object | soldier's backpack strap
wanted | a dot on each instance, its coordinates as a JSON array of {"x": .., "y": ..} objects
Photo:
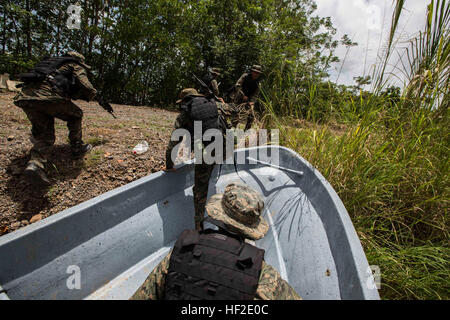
[{"x": 214, "y": 266}]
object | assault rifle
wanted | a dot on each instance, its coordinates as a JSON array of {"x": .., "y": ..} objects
[
  {"x": 205, "y": 86},
  {"x": 105, "y": 105}
]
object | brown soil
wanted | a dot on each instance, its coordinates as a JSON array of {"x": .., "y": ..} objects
[{"x": 109, "y": 165}]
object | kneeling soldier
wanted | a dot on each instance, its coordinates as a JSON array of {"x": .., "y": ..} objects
[
  {"x": 220, "y": 264},
  {"x": 210, "y": 79},
  {"x": 46, "y": 95},
  {"x": 244, "y": 94}
]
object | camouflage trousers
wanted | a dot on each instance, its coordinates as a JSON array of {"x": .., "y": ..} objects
[
  {"x": 201, "y": 182},
  {"x": 243, "y": 113},
  {"x": 42, "y": 116}
]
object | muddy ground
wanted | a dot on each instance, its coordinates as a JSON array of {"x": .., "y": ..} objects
[{"x": 109, "y": 165}]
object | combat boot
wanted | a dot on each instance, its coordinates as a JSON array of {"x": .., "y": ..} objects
[
  {"x": 36, "y": 175},
  {"x": 79, "y": 150}
]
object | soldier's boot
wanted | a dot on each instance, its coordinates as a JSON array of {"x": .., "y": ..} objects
[
  {"x": 36, "y": 175},
  {"x": 80, "y": 149}
]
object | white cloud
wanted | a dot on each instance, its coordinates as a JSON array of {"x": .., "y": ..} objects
[{"x": 368, "y": 23}]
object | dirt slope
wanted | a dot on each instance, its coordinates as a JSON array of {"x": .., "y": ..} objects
[{"x": 109, "y": 165}]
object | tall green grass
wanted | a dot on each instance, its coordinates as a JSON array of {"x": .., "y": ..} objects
[
  {"x": 389, "y": 163},
  {"x": 392, "y": 173}
]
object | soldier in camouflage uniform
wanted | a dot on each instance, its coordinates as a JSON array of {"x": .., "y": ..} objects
[
  {"x": 43, "y": 102},
  {"x": 239, "y": 210},
  {"x": 244, "y": 95},
  {"x": 210, "y": 79},
  {"x": 203, "y": 171}
]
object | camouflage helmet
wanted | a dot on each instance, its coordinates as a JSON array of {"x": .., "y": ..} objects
[
  {"x": 187, "y": 92},
  {"x": 75, "y": 55},
  {"x": 215, "y": 71},
  {"x": 78, "y": 56},
  {"x": 256, "y": 68},
  {"x": 239, "y": 208}
]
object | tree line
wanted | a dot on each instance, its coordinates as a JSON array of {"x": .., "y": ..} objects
[{"x": 144, "y": 52}]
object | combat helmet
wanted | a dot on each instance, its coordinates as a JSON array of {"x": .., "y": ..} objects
[
  {"x": 256, "y": 68},
  {"x": 188, "y": 92},
  {"x": 215, "y": 71},
  {"x": 78, "y": 56}
]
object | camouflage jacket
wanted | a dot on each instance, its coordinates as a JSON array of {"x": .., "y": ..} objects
[
  {"x": 184, "y": 121},
  {"x": 44, "y": 91},
  {"x": 214, "y": 86},
  {"x": 270, "y": 286},
  {"x": 240, "y": 93}
]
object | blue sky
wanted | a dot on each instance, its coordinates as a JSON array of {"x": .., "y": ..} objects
[{"x": 367, "y": 22}]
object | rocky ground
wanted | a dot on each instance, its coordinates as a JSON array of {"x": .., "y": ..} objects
[{"x": 109, "y": 165}]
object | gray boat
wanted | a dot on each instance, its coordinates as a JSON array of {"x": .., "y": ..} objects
[{"x": 105, "y": 248}]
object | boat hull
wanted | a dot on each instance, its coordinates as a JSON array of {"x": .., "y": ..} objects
[{"x": 105, "y": 248}]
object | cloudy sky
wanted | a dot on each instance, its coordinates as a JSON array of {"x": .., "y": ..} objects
[{"x": 367, "y": 22}]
